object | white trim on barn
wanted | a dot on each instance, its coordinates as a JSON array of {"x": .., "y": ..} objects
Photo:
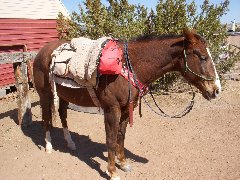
[{"x": 32, "y": 9}]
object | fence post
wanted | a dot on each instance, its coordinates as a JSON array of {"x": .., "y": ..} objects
[
  {"x": 21, "y": 63},
  {"x": 23, "y": 99}
]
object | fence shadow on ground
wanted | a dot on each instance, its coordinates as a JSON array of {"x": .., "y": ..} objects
[
  {"x": 86, "y": 148},
  {"x": 13, "y": 114}
]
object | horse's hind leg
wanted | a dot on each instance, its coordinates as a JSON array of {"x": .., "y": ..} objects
[
  {"x": 120, "y": 142},
  {"x": 46, "y": 101},
  {"x": 63, "y": 116}
]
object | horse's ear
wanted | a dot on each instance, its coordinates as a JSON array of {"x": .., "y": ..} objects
[{"x": 189, "y": 35}]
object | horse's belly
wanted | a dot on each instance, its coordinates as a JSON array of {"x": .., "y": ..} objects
[{"x": 78, "y": 96}]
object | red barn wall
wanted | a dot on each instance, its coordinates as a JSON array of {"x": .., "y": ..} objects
[{"x": 33, "y": 33}]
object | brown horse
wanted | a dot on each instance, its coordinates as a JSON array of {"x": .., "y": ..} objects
[{"x": 151, "y": 57}]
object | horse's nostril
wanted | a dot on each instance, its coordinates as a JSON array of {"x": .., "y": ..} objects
[{"x": 217, "y": 92}]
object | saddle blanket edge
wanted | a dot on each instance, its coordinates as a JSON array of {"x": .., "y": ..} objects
[{"x": 78, "y": 60}]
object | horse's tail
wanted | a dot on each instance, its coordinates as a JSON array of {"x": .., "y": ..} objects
[
  {"x": 55, "y": 102},
  {"x": 30, "y": 70}
]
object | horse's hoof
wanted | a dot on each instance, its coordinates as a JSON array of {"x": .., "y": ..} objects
[
  {"x": 49, "y": 151},
  {"x": 113, "y": 177},
  {"x": 72, "y": 146},
  {"x": 49, "y": 148},
  {"x": 126, "y": 168}
]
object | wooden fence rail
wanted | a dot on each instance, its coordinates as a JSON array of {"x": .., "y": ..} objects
[{"x": 16, "y": 57}]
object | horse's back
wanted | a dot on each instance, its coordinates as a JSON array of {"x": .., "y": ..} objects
[{"x": 41, "y": 65}]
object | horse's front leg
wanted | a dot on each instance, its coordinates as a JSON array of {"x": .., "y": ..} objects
[
  {"x": 125, "y": 166},
  {"x": 111, "y": 120}
]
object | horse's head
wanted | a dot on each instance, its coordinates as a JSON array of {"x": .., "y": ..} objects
[{"x": 198, "y": 66}]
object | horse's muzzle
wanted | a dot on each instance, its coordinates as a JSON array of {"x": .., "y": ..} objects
[{"x": 211, "y": 94}]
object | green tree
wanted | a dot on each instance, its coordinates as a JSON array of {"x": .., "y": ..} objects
[
  {"x": 208, "y": 24},
  {"x": 171, "y": 16},
  {"x": 150, "y": 24},
  {"x": 126, "y": 20},
  {"x": 93, "y": 18},
  {"x": 68, "y": 28},
  {"x": 120, "y": 20}
]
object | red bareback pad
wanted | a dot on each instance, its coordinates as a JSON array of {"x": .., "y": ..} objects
[{"x": 111, "y": 59}]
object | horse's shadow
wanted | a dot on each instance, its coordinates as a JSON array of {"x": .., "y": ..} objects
[{"x": 86, "y": 148}]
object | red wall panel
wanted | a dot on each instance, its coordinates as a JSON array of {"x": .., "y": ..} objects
[
  {"x": 6, "y": 75},
  {"x": 33, "y": 33}
]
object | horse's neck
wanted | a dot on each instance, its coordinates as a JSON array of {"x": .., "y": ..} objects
[{"x": 152, "y": 59}]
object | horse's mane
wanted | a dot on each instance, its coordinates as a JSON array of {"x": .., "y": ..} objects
[
  {"x": 198, "y": 36},
  {"x": 155, "y": 37},
  {"x": 149, "y": 37}
]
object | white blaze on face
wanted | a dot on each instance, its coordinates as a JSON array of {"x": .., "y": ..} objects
[{"x": 217, "y": 81}]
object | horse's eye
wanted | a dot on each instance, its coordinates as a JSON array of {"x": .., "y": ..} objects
[{"x": 202, "y": 57}]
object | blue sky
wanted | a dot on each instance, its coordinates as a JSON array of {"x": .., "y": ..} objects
[{"x": 233, "y": 13}]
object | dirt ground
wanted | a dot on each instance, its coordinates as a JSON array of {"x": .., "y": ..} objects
[{"x": 205, "y": 144}]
